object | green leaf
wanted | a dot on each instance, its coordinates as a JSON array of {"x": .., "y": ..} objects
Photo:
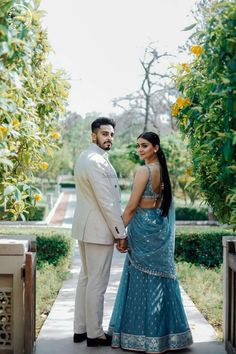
[
  {"x": 6, "y": 162},
  {"x": 17, "y": 194},
  {"x": 22, "y": 217},
  {"x": 9, "y": 190},
  {"x": 188, "y": 28}
]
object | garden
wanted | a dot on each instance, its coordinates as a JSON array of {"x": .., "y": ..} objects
[{"x": 40, "y": 140}]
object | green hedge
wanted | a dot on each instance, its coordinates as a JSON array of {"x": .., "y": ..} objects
[
  {"x": 53, "y": 249},
  {"x": 200, "y": 247},
  {"x": 67, "y": 184},
  {"x": 190, "y": 213}
]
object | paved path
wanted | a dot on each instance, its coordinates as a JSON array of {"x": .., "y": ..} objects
[
  {"x": 56, "y": 334},
  {"x": 64, "y": 211}
]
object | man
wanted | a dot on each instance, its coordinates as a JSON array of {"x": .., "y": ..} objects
[{"x": 97, "y": 224}]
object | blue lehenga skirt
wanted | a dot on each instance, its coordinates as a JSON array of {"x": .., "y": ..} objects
[{"x": 148, "y": 314}]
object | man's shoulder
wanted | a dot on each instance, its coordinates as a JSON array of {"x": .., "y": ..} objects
[{"x": 90, "y": 157}]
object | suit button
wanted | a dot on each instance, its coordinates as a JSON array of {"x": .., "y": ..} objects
[{"x": 115, "y": 185}]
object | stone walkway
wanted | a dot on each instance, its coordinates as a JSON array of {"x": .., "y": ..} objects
[{"x": 56, "y": 334}]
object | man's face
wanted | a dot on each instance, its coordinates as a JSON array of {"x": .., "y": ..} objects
[{"x": 103, "y": 137}]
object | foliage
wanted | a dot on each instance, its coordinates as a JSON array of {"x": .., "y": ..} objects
[
  {"x": 190, "y": 213},
  {"x": 122, "y": 164},
  {"x": 204, "y": 287},
  {"x": 60, "y": 163},
  {"x": 53, "y": 245},
  {"x": 38, "y": 213},
  {"x": 35, "y": 214},
  {"x": 178, "y": 160},
  {"x": 67, "y": 184},
  {"x": 32, "y": 98},
  {"x": 52, "y": 249},
  {"x": 203, "y": 248},
  {"x": 206, "y": 110}
]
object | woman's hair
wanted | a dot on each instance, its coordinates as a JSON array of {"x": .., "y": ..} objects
[{"x": 154, "y": 139}]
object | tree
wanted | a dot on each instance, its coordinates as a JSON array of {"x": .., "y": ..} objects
[
  {"x": 32, "y": 98},
  {"x": 150, "y": 85},
  {"x": 147, "y": 106},
  {"x": 205, "y": 110}
]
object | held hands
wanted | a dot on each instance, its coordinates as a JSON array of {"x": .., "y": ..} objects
[{"x": 122, "y": 245}]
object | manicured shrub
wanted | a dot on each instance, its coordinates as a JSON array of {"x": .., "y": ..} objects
[
  {"x": 53, "y": 249},
  {"x": 187, "y": 213},
  {"x": 67, "y": 184},
  {"x": 200, "y": 247}
]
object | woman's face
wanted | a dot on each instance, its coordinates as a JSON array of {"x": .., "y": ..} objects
[{"x": 146, "y": 150}]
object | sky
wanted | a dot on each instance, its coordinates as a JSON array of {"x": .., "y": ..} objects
[{"x": 99, "y": 44}]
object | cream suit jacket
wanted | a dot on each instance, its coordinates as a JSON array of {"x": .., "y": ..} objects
[{"x": 97, "y": 217}]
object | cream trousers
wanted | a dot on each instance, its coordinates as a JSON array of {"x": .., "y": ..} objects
[{"x": 92, "y": 284}]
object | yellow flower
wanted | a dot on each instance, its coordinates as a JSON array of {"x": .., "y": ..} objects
[
  {"x": 56, "y": 135},
  {"x": 3, "y": 129},
  {"x": 174, "y": 110},
  {"x": 3, "y": 132},
  {"x": 185, "y": 66},
  {"x": 15, "y": 122},
  {"x": 38, "y": 197},
  {"x": 187, "y": 101},
  {"x": 182, "y": 102},
  {"x": 44, "y": 165},
  {"x": 185, "y": 120},
  {"x": 196, "y": 49}
]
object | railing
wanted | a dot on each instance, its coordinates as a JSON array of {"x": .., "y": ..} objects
[
  {"x": 30, "y": 298},
  {"x": 229, "y": 244}
]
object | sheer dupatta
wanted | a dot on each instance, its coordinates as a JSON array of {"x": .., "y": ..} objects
[{"x": 151, "y": 239}]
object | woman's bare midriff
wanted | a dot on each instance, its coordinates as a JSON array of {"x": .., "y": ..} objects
[{"x": 147, "y": 203}]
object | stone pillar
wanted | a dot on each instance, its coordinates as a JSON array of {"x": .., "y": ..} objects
[{"x": 12, "y": 260}]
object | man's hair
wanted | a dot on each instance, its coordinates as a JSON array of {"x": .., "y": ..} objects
[{"x": 96, "y": 124}]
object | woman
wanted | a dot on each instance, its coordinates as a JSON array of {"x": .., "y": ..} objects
[{"x": 148, "y": 314}]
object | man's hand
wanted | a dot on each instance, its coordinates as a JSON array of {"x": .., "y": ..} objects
[{"x": 122, "y": 244}]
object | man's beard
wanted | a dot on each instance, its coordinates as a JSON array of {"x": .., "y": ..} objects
[
  {"x": 103, "y": 147},
  {"x": 107, "y": 148}
]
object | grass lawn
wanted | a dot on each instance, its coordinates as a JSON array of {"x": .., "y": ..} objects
[{"x": 205, "y": 288}]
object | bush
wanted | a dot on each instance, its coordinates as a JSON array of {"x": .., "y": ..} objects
[
  {"x": 200, "y": 247},
  {"x": 33, "y": 98},
  {"x": 187, "y": 213},
  {"x": 205, "y": 110},
  {"x": 67, "y": 184},
  {"x": 53, "y": 250},
  {"x": 35, "y": 214},
  {"x": 38, "y": 213}
]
